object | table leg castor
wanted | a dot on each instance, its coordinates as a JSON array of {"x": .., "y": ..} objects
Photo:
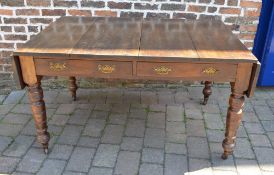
[
  {"x": 73, "y": 87},
  {"x": 207, "y": 92}
]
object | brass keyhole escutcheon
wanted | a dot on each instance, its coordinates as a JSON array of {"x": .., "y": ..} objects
[
  {"x": 57, "y": 66},
  {"x": 162, "y": 70},
  {"x": 210, "y": 71},
  {"x": 106, "y": 69}
]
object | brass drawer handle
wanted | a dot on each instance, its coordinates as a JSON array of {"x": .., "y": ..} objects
[
  {"x": 162, "y": 70},
  {"x": 106, "y": 69},
  {"x": 57, "y": 66},
  {"x": 210, "y": 71}
]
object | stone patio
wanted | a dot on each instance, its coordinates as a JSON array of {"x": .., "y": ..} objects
[{"x": 136, "y": 131}]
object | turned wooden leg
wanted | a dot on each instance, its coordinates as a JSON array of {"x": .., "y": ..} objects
[
  {"x": 73, "y": 87},
  {"x": 233, "y": 120},
  {"x": 207, "y": 91},
  {"x": 39, "y": 114}
]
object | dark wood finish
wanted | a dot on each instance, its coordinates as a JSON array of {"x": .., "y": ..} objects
[
  {"x": 145, "y": 49},
  {"x": 28, "y": 70},
  {"x": 233, "y": 120},
  {"x": 36, "y": 99},
  {"x": 18, "y": 77},
  {"x": 224, "y": 72},
  {"x": 253, "y": 80},
  {"x": 63, "y": 67},
  {"x": 207, "y": 91},
  {"x": 111, "y": 36},
  {"x": 235, "y": 110},
  {"x": 39, "y": 114},
  {"x": 166, "y": 38},
  {"x": 58, "y": 39},
  {"x": 73, "y": 87},
  {"x": 213, "y": 40}
]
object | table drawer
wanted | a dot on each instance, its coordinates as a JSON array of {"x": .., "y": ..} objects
[
  {"x": 208, "y": 71},
  {"x": 65, "y": 67}
]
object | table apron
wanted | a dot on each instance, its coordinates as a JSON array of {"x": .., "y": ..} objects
[{"x": 115, "y": 69}]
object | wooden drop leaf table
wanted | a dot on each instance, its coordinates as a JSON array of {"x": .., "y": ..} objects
[{"x": 139, "y": 49}]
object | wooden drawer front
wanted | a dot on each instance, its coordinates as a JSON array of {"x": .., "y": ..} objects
[
  {"x": 187, "y": 70},
  {"x": 64, "y": 67}
]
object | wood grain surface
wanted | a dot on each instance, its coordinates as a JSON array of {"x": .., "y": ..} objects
[
  {"x": 224, "y": 72},
  {"x": 59, "y": 38},
  {"x": 111, "y": 36},
  {"x": 213, "y": 40},
  {"x": 166, "y": 38},
  {"x": 92, "y": 68},
  {"x": 161, "y": 39}
]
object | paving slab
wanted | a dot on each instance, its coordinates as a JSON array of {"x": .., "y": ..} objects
[
  {"x": 215, "y": 135},
  {"x": 175, "y": 113},
  {"x": 106, "y": 155},
  {"x": 4, "y": 109},
  {"x": 20, "y": 146},
  {"x": 247, "y": 166},
  {"x": 5, "y": 142},
  {"x": 157, "y": 131},
  {"x": 16, "y": 118},
  {"x": 213, "y": 121},
  {"x": 152, "y": 155},
  {"x": 113, "y": 134},
  {"x": 175, "y": 164},
  {"x": 32, "y": 161},
  {"x": 156, "y": 120},
  {"x": 22, "y": 109},
  {"x": 254, "y": 128},
  {"x": 148, "y": 97},
  {"x": 118, "y": 119},
  {"x": 265, "y": 157},
  {"x": 219, "y": 164},
  {"x": 85, "y": 141},
  {"x": 127, "y": 163},
  {"x": 94, "y": 128},
  {"x": 154, "y": 138},
  {"x": 80, "y": 159},
  {"x": 195, "y": 128},
  {"x": 79, "y": 117},
  {"x": 259, "y": 140},
  {"x": 268, "y": 125},
  {"x": 197, "y": 147},
  {"x": 151, "y": 169},
  {"x": 2, "y": 98},
  {"x": 8, "y": 164},
  {"x": 200, "y": 167},
  {"x": 100, "y": 171},
  {"x": 135, "y": 128},
  {"x": 70, "y": 134},
  {"x": 175, "y": 127},
  {"x": 243, "y": 149},
  {"x": 175, "y": 148},
  {"x": 52, "y": 166},
  {"x": 14, "y": 97},
  {"x": 132, "y": 143},
  {"x": 61, "y": 152},
  {"x": 65, "y": 109}
]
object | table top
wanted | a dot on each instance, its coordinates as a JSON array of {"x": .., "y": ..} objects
[{"x": 89, "y": 37}]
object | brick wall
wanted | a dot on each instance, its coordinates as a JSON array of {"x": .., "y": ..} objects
[{"x": 20, "y": 19}]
